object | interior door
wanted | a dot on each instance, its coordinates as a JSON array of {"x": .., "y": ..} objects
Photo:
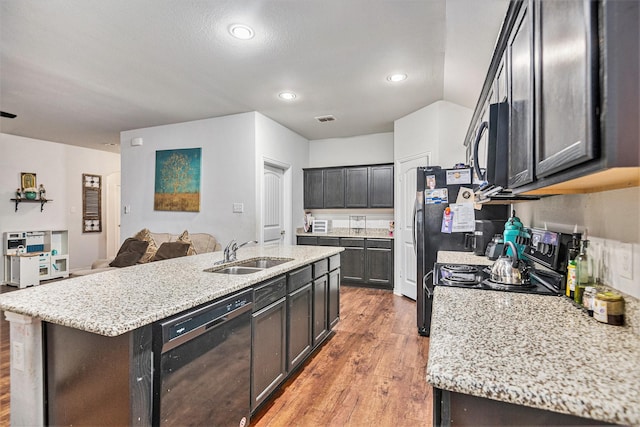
[
  {"x": 273, "y": 205},
  {"x": 406, "y": 258}
]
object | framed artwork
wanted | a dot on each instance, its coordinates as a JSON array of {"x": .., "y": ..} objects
[
  {"x": 177, "y": 180},
  {"x": 28, "y": 180},
  {"x": 91, "y": 203}
]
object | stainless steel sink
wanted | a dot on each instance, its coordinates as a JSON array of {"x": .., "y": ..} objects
[
  {"x": 249, "y": 266},
  {"x": 235, "y": 270},
  {"x": 264, "y": 262}
]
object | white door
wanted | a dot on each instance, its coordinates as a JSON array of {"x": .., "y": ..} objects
[
  {"x": 404, "y": 226},
  {"x": 113, "y": 214},
  {"x": 273, "y": 205}
]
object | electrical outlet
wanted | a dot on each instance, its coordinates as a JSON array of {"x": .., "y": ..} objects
[
  {"x": 626, "y": 260},
  {"x": 238, "y": 207}
]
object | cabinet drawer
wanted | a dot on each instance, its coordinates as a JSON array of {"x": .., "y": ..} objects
[
  {"x": 334, "y": 262},
  {"x": 328, "y": 241},
  {"x": 320, "y": 268},
  {"x": 307, "y": 240},
  {"x": 354, "y": 243},
  {"x": 269, "y": 292},
  {"x": 379, "y": 243},
  {"x": 299, "y": 278}
]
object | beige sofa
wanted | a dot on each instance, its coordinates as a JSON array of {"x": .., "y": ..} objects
[{"x": 202, "y": 243}]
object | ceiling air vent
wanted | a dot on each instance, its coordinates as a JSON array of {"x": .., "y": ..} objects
[{"x": 324, "y": 119}]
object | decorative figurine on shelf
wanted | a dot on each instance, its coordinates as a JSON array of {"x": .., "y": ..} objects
[
  {"x": 42, "y": 193},
  {"x": 18, "y": 194}
]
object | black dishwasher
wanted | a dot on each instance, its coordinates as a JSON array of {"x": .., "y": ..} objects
[{"x": 202, "y": 361}]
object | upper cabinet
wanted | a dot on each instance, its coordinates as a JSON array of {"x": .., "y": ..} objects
[
  {"x": 566, "y": 84},
  {"x": 353, "y": 187},
  {"x": 572, "y": 90}
]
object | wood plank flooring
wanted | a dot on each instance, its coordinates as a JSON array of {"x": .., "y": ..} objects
[{"x": 370, "y": 372}]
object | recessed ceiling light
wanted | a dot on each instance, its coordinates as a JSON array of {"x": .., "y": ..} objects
[
  {"x": 241, "y": 31},
  {"x": 287, "y": 96},
  {"x": 397, "y": 77}
]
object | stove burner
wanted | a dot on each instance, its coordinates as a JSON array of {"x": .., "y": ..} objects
[
  {"x": 507, "y": 287},
  {"x": 460, "y": 280},
  {"x": 457, "y": 268}
]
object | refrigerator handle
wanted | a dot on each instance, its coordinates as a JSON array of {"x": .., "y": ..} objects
[
  {"x": 426, "y": 287},
  {"x": 415, "y": 231}
]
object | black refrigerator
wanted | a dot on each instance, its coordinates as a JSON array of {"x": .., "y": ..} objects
[{"x": 435, "y": 228}]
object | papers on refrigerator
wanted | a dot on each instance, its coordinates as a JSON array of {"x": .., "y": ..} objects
[{"x": 463, "y": 217}]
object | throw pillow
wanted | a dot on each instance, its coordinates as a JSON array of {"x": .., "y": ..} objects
[
  {"x": 169, "y": 250},
  {"x": 184, "y": 238},
  {"x": 130, "y": 253},
  {"x": 145, "y": 235}
]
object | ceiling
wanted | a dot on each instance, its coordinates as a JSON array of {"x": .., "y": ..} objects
[{"x": 81, "y": 71}]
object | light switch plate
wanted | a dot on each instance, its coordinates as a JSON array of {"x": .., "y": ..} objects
[
  {"x": 238, "y": 207},
  {"x": 626, "y": 260}
]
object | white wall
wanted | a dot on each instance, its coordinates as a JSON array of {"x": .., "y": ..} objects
[
  {"x": 612, "y": 217},
  {"x": 356, "y": 150},
  {"x": 59, "y": 167},
  {"x": 275, "y": 143},
  {"x": 437, "y": 129},
  {"x": 227, "y": 177}
]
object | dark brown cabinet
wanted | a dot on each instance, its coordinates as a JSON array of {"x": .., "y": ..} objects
[
  {"x": 333, "y": 188},
  {"x": 299, "y": 325},
  {"x": 313, "y": 189},
  {"x": 269, "y": 354},
  {"x": 520, "y": 99},
  {"x": 353, "y": 187},
  {"x": 334, "y": 291},
  {"x": 356, "y": 188},
  {"x": 364, "y": 261},
  {"x": 352, "y": 260},
  {"x": 566, "y": 84},
  {"x": 381, "y": 186},
  {"x": 379, "y": 263},
  {"x": 320, "y": 312}
]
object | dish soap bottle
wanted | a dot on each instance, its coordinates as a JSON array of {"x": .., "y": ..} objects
[{"x": 583, "y": 271}]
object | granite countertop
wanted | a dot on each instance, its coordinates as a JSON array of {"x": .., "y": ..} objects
[
  {"x": 369, "y": 233},
  {"x": 523, "y": 349},
  {"x": 118, "y": 301},
  {"x": 453, "y": 257}
]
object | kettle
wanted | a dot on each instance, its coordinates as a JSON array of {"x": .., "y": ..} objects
[
  {"x": 510, "y": 270},
  {"x": 515, "y": 232}
]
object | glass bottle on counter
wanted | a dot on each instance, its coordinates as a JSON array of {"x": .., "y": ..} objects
[
  {"x": 584, "y": 276},
  {"x": 574, "y": 250}
]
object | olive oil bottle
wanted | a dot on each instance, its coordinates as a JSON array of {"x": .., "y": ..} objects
[
  {"x": 574, "y": 250},
  {"x": 584, "y": 275}
]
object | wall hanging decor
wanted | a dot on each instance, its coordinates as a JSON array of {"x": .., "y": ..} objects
[
  {"x": 91, "y": 203},
  {"x": 177, "y": 181}
]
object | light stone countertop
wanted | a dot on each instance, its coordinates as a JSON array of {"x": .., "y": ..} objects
[
  {"x": 369, "y": 233},
  {"x": 523, "y": 349},
  {"x": 453, "y": 257},
  {"x": 114, "y": 302}
]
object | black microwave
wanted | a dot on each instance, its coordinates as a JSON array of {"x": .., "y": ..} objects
[{"x": 496, "y": 165}]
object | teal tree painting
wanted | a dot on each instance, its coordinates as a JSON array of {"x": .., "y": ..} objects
[{"x": 178, "y": 180}]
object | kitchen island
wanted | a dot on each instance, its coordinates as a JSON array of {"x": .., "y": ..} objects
[
  {"x": 123, "y": 303},
  {"x": 520, "y": 351}
]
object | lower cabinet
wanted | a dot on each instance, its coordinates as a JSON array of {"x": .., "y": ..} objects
[
  {"x": 269, "y": 352},
  {"x": 364, "y": 261},
  {"x": 334, "y": 297},
  {"x": 320, "y": 304},
  {"x": 299, "y": 324}
]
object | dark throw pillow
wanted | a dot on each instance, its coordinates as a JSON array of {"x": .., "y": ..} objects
[
  {"x": 129, "y": 253},
  {"x": 169, "y": 250}
]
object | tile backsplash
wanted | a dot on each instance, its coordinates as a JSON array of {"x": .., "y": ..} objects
[{"x": 341, "y": 220}]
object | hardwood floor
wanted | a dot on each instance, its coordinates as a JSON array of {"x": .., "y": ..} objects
[{"x": 370, "y": 372}]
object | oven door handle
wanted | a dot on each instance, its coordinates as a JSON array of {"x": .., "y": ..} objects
[{"x": 425, "y": 286}]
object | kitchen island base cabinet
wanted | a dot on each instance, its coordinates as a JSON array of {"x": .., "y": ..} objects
[
  {"x": 320, "y": 293},
  {"x": 269, "y": 350},
  {"x": 299, "y": 325},
  {"x": 452, "y": 409},
  {"x": 97, "y": 380}
]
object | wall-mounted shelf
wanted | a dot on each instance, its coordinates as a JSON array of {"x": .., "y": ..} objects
[{"x": 41, "y": 201}]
